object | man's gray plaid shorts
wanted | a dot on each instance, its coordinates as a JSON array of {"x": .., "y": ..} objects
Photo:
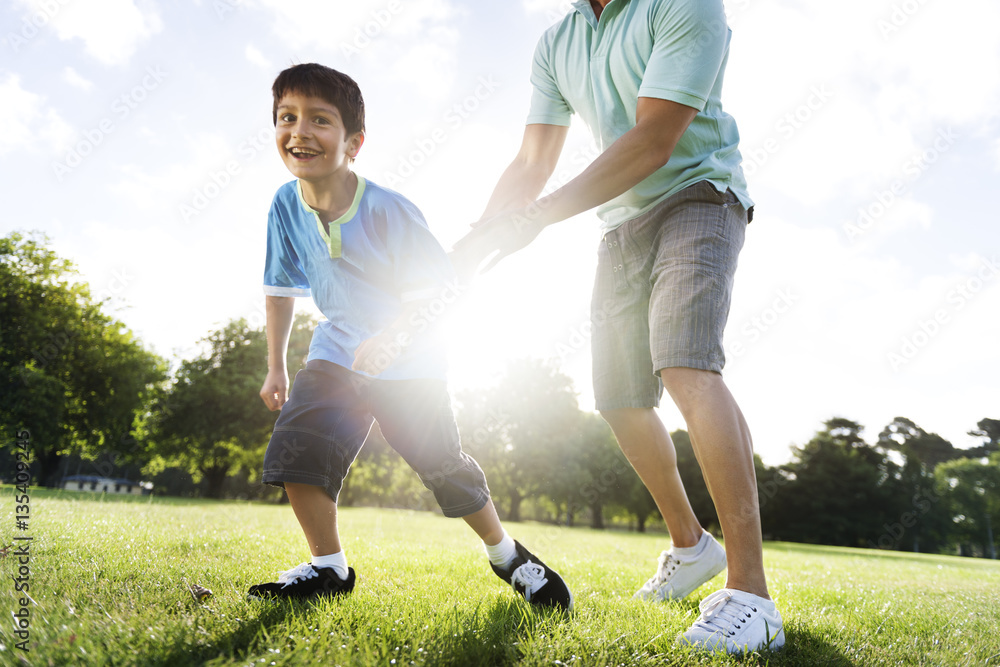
[{"x": 662, "y": 293}]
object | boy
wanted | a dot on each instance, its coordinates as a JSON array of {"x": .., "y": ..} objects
[{"x": 369, "y": 261}]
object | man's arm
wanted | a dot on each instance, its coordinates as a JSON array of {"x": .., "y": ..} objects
[
  {"x": 280, "y": 310},
  {"x": 531, "y": 169},
  {"x": 630, "y": 160},
  {"x": 659, "y": 125}
]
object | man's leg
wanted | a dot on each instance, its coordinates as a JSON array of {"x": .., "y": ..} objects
[
  {"x": 721, "y": 440},
  {"x": 647, "y": 445}
]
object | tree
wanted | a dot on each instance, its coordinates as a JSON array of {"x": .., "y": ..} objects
[
  {"x": 211, "y": 421},
  {"x": 989, "y": 431},
  {"x": 604, "y": 471},
  {"x": 973, "y": 490},
  {"x": 834, "y": 490},
  {"x": 926, "y": 523},
  {"x": 517, "y": 431},
  {"x": 77, "y": 379}
]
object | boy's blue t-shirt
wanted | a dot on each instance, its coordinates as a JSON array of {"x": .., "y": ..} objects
[{"x": 376, "y": 257}]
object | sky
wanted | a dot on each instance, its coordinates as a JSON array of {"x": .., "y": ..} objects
[{"x": 137, "y": 135}]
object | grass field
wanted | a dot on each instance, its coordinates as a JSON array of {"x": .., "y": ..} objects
[{"x": 109, "y": 578}]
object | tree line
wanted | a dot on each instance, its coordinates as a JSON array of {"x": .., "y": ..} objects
[{"x": 97, "y": 402}]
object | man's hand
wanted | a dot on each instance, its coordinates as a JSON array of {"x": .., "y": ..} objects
[
  {"x": 503, "y": 234},
  {"x": 377, "y": 353},
  {"x": 274, "y": 393}
]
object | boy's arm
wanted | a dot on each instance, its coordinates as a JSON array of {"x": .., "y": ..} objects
[{"x": 280, "y": 310}]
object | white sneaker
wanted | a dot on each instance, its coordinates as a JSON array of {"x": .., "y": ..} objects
[
  {"x": 735, "y": 622},
  {"x": 678, "y": 576}
]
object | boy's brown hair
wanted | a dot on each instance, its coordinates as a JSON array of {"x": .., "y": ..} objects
[{"x": 328, "y": 84}]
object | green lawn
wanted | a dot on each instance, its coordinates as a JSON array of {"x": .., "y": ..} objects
[{"x": 110, "y": 581}]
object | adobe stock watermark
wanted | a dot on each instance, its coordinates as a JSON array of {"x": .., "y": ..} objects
[
  {"x": 121, "y": 108},
  {"x": 419, "y": 324},
  {"x": 217, "y": 180},
  {"x": 754, "y": 329},
  {"x": 786, "y": 127},
  {"x": 32, "y": 24},
  {"x": 912, "y": 169},
  {"x": 579, "y": 335},
  {"x": 453, "y": 119},
  {"x": 899, "y": 16},
  {"x": 370, "y": 30},
  {"x": 225, "y": 7},
  {"x": 923, "y": 333}
]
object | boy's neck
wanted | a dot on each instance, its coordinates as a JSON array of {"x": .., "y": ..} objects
[{"x": 332, "y": 197}]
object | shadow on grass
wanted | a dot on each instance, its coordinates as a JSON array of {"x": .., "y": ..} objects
[
  {"x": 501, "y": 633},
  {"x": 804, "y": 647},
  {"x": 229, "y": 646}
]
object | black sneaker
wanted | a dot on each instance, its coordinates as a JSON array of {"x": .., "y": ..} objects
[
  {"x": 536, "y": 583},
  {"x": 304, "y": 581}
]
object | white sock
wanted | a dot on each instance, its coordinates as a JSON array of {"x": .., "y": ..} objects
[
  {"x": 337, "y": 561},
  {"x": 696, "y": 549},
  {"x": 502, "y": 554}
]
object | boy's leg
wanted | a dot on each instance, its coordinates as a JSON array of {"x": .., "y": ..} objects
[
  {"x": 486, "y": 523},
  {"x": 416, "y": 418},
  {"x": 316, "y": 438},
  {"x": 317, "y": 515}
]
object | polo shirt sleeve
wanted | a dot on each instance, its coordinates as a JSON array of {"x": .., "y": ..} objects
[
  {"x": 548, "y": 106},
  {"x": 283, "y": 273},
  {"x": 421, "y": 267},
  {"x": 690, "y": 39}
]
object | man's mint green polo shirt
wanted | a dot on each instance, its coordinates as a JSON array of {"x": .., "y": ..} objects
[{"x": 667, "y": 49}]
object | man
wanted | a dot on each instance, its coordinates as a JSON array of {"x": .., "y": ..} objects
[{"x": 646, "y": 76}]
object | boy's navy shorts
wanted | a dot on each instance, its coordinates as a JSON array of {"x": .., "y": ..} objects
[{"x": 328, "y": 416}]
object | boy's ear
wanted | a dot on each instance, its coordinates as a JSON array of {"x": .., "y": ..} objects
[{"x": 355, "y": 143}]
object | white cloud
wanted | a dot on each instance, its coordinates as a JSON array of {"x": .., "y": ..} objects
[
  {"x": 890, "y": 95},
  {"x": 73, "y": 78},
  {"x": 111, "y": 30},
  {"x": 405, "y": 44},
  {"x": 554, "y": 7},
  {"x": 254, "y": 55},
  {"x": 25, "y": 117}
]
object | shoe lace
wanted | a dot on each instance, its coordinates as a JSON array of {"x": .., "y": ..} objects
[
  {"x": 668, "y": 564},
  {"x": 531, "y": 577},
  {"x": 720, "y": 613},
  {"x": 297, "y": 573}
]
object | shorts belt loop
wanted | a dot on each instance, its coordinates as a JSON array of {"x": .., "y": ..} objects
[{"x": 613, "y": 239}]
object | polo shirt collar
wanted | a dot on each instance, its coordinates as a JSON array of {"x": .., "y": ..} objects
[{"x": 587, "y": 12}]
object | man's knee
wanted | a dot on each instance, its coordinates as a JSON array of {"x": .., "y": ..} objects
[
  {"x": 687, "y": 385},
  {"x": 626, "y": 419}
]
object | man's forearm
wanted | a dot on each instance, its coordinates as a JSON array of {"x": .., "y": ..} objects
[
  {"x": 520, "y": 185},
  {"x": 626, "y": 163},
  {"x": 280, "y": 311}
]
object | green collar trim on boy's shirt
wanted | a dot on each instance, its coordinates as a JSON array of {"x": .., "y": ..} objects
[{"x": 333, "y": 237}]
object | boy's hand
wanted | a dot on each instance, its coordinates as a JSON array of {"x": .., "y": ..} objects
[
  {"x": 274, "y": 393},
  {"x": 378, "y": 352},
  {"x": 504, "y": 234}
]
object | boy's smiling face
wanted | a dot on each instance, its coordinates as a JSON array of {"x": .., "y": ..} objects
[{"x": 312, "y": 140}]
